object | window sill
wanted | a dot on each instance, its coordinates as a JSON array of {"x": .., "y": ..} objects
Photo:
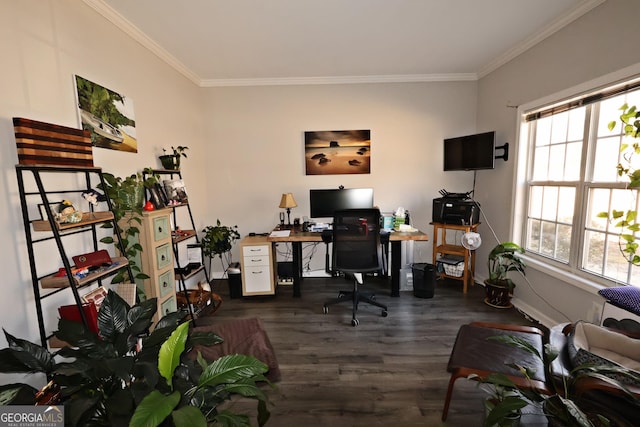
[{"x": 583, "y": 283}]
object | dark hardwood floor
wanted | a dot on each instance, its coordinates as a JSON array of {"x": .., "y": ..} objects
[{"x": 388, "y": 371}]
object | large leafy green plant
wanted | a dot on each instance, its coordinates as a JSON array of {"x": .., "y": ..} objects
[
  {"x": 627, "y": 220},
  {"x": 127, "y": 377},
  {"x": 502, "y": 259}
]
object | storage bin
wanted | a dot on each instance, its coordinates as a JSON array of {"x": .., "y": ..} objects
[
  {"x": 235, "y": 280},
  {"x": 424, "y": 280}
]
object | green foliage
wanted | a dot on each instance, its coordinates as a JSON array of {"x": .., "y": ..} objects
[
  {"x": 508, "y": 398},
  {"x": 627, "y": 221},
  {"x": 503, "y": 259},
  {"x": 107, "y": 380},
  {"x": 218, "y": 239},
  {"x": 127, "y": 197},
  {"x": 100, "y": 102},
  {"x": 177, "y": 151}
]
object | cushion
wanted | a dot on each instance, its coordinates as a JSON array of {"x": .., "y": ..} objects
[
  {"x": 242, "y": 336},
  {"x": 593, "y": 344},
  {"x": 626, "y": 297}
]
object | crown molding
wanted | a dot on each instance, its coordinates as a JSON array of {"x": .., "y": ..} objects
[
  {"x": 125, "y": 25},
  {"x": 537, "y": 38},
  {"x": 406, "y": 78}
]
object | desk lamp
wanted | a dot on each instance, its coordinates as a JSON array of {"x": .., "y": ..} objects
[{"x": 287, "y": 202}]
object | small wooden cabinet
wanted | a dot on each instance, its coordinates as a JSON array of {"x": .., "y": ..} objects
[
  {"x": 258, "y": 266},
  {"x": 441, "y": 248},
  {"x": 156, "y": 260}
]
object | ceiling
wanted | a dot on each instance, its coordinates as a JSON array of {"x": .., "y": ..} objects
[{"x": 261, "y": 42}]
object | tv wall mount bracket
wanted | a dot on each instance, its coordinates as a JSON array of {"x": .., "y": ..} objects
[{"x": 505, "y": 151}]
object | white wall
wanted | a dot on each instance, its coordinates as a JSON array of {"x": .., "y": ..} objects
[
  {"x": 43, "y": 43},
  {"x": 594, "y": 45},
  {"x": 257, "y": 147}
]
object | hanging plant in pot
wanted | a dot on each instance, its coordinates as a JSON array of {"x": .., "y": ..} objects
[
  {"x": 498, "y": 287},
  {"x": 171, "y": 160}
]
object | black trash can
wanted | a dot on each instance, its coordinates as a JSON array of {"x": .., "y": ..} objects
[
  {"x": 235, "y": 280},
  {"x": 424, "y": 280}
]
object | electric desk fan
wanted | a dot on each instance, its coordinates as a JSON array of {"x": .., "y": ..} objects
[{"x": 471, "y": 240}]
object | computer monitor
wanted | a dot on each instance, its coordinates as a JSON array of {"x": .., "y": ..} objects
[{"x": 324, "y": 202}]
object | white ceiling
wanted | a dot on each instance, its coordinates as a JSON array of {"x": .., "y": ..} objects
[{"x": 253, "y": 42}]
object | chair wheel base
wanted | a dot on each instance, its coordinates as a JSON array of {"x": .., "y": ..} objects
[
  {"x": 354, "y": 322},
  {"x": 384, "y": 313},
  {"x": 325, "y": 309}
]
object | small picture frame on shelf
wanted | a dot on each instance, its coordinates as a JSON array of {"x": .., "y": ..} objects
[
  {"x": 43, "y": 211},
  {"x": 175, "y": 190},
  {"x": 156, "y": 198},
  {"x": 161, "y": 192}
]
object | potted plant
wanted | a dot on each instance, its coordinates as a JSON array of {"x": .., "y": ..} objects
[
  {"x": 504, "y": 403},
  {"x": 217, "y": 241},
  {"x": 171, "y": 160},
  {"x": 124, "y": 376},
  {"x": 499, "y": 287}
]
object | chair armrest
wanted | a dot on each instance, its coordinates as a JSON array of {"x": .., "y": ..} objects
[{"x": 508, "y": 327}]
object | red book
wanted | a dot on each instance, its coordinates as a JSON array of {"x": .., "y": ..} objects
[{"x": 71, "y": 312}]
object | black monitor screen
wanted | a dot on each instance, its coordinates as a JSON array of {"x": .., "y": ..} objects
[
  {"x": 470, "y": 152},
  {"x": 326, "y": 201}
]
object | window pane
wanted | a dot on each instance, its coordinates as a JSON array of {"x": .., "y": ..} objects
[
  {"x": 617, "y": 266},
  {"x": 543, "y": 131},
  {"x": 572, "y": 165},
  {"x": 563, "y": 243},
  {"x": 607, "y": 156},
  {"x": 593, "y": 251},
  {"x": 535, "y": 202},
  {"x": 548, "y": 242},
  {"x": 566, "y": 204},
  {"x": 598, "y": 202},
  {"x": 576, "y": 124},
  {"x": 556, "y": 163},
  {"x": 541, "y": 163},
  {"x": 533, "y": 235},
  {"x": 622, "y": 200},
  {"x": 550, "y": 203},
  {"x": 559, "y": 127}
]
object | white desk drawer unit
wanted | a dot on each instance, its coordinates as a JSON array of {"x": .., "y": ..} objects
[{"x": 258, "y": 267}]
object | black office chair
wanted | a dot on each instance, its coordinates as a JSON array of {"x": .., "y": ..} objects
[{"x": 356, "y": 250}]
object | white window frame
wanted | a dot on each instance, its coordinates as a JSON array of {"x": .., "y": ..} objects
[{"x": 567, "y": 273}]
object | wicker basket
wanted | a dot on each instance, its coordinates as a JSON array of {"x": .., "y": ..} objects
[{"x": 454, "y": 270}]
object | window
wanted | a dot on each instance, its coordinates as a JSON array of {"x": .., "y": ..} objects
[{"x": 571, "y": 176}]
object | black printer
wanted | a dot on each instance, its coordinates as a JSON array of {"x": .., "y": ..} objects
[{"x": 455, "y": 210}]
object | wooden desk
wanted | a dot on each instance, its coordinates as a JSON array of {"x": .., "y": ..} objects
[{"x": 297, "y": 237}]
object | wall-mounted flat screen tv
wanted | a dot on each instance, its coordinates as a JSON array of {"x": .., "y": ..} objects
[
  {"x": 470, "y": 152},
  {"x": 324, "y": 202}
]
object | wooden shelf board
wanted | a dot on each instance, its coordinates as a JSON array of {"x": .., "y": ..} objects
[
  {"x": 63, "y": 282},
  {"x": 187, "y": 234},
  {"x": 88, "y": 218},
  {"x": 451, "y": 249},
  {"x": 191, "y": 274}
]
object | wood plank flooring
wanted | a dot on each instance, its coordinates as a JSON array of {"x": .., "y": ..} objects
[{"x": 388, "y": 371}]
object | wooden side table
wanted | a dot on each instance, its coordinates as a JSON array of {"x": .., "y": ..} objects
[{"x": 442, "y": 248}]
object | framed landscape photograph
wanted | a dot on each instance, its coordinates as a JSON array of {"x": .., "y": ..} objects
[{"x": 337, "y": 152}]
